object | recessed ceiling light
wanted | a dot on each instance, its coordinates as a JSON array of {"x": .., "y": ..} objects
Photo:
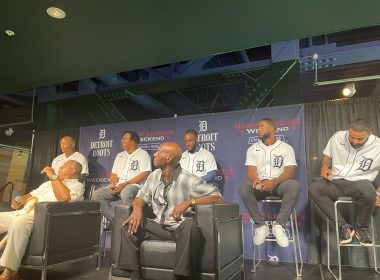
[
  {"x": 56, "y": 12},
  {"x": 10, "y": 32}
]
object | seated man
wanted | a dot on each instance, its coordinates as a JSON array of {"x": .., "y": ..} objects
[
  {"x": 197, "y": 160},
  {"x": 170, "y": 191},
  {"x": 129, "y": 171},
  {"x": 350, "y": 163},
  {"x": 271, "y": 165},
  {"x": 67, "y": 145},
  {"x": 19, "y": 224}
]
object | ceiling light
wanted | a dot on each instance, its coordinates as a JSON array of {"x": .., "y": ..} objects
[
  {"x": 349, "y": 90},
  {"x": 56, "y": 12},
  {"x": 9, "y": 131},
  {"x": 9, "y": 32}
]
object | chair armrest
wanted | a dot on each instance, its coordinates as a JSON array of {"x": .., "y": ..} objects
[
  {"x": 53, "y": 217},
  {"x": 208, "y": 217}
]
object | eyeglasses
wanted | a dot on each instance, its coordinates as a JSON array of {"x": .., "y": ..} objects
[{"x": 161, "y": 200}]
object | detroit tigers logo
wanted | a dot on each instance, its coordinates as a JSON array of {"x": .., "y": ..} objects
[
  {"x": 365, "y": 164},
  {"x": 134, "y": 165},
  {"x": 200, "y": 165},
  {"x": 278, "y": 161},
  {"x": 202, "y": 126},
  {"x": 102, "y": 134}
]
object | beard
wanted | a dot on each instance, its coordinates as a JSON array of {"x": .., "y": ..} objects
[
  {"x": 265, "y": 136},
  {"x": 356, "y": 146}
]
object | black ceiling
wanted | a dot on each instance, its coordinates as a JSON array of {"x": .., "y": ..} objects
[{"x": 104, "y": 37}]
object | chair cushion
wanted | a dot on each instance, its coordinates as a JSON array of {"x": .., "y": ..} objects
[{"x": 157, "y": 253}]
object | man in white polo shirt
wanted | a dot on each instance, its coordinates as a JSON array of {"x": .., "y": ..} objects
[
  {"x": 350, "y": 163},
  {"x": 19, "y": 223},
  {"x": 271, "y": 165},
  {"x": 129, "y": 171},
  {"x": 67, "y": 145},
  {"x": 197, "y": 160}
]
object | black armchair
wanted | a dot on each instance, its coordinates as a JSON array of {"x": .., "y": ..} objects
[
  {"x": 62, "y": 232},
  {"x": 220, "y": 256}
]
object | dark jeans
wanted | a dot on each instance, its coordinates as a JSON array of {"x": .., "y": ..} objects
[
  {"x": 288, "y": 190},
  {"x": 187, "y": 237},
  {"x": 324, "y": 193}
]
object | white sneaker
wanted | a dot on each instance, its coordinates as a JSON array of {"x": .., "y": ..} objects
[
  {"x": 260, "y": 234},
  {"x": 280, "y": 235}
]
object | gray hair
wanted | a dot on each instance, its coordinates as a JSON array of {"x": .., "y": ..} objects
[{"x": 360, "y": 125}]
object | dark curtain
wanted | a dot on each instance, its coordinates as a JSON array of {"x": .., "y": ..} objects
[
  {"x": 45, "y": 149},
  {"x": 322, "y": 120}
]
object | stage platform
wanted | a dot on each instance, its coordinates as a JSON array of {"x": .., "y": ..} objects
[{"x": 265, "y": 271}]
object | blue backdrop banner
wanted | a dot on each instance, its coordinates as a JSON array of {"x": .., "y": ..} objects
[{"x": 227, "y": 136}]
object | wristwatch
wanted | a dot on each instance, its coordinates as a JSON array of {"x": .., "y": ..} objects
[{"x": 54, "y": 177}]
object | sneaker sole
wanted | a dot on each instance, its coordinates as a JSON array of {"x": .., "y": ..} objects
[
  {"x": 364, "y": 244},
  {"x": 348, "y": 240}
]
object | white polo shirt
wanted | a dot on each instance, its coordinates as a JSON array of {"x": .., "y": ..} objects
[
  {"x": 45, "y": 191},
  {"x": 127, "y": 166},
  {"x": 353, "y": 164},
  {"x": 198, "y": 163},
  {"x": 62, "y": 159},
  {"x": 270, "y": 160}
]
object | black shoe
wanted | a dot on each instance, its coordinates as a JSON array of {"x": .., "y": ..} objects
[
  {"x": 363, "y": 236},
  {"x": 346, "y": 233}
]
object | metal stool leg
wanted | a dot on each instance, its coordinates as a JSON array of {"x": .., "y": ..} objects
[
  {"x": 296, "y": 243},
  {"x": 254, "y": 264}
]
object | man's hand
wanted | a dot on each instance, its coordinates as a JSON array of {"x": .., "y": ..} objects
[
  {"x": 179, "y": 209},
  {"x": 255, "y": 183},
  {"x": 118, "y": 188},
  {"x": 15, "y": 205},
  {"x": 268, "y": 185},
  {"x": 134, "y": 221},
  {"x": 377, "y": 201},
  {"x": 325, "y": 172},
  {"x": 49, "y": 171}
]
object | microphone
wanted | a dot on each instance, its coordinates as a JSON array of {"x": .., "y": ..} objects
[
  {"x": 18, "y": 199},
  {"x": 258, "y": 187},
  {"x": 330, "y": 177}
]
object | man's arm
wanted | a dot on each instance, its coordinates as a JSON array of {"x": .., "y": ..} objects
[
  {"x": 182, "y": 207},
  {"x": 61, "y": 192},
  {"x": 113, "y": 179},
  {"x": 288, "y": 173},
  {"x": 209, "y": 176},
  {"x": 133, "y": 222},
  {"x": 252, "y": 175},
  {"x": 325, "y": 167},
  {"x": 135, "y": 180}
]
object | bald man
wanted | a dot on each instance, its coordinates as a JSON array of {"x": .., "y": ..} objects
[
  {"x": 67, "y": 145},
  {"x": 62, "y": 187},
  {"x": 170, "y": 191}
]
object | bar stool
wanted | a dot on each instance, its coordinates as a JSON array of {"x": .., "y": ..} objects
[
  {"x": 295, "y": 240},
  {"x": 346, "y": 200}
]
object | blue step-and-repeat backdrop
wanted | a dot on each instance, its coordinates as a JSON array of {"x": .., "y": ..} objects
[{"x": 227, "y": 136}]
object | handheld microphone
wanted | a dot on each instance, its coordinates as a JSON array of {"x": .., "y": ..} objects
[
  {"x": 258, "y": 187},
  {"x": 330, "y": 177},
  {"x": 18, "y": 199}
]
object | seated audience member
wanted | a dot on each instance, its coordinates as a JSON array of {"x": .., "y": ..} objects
[
  {"x": 62, "y": 187},
  {"x": 271, "y": 165},
  {"x": 169, "y": 190},
  {"x": 129, "y": 171},
  {"x": 197, "y": 160},
  {"x": 67, "y": 145},
  {"x": 350, "y": 163}
]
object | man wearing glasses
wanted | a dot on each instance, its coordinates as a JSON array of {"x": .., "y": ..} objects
[
  {"x": 170, "y": 191},
  {"x": 350, "y": 162},
  {"x": 130, "y": 169}
]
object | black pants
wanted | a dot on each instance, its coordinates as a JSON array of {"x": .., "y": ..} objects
[
  {"x": 324, "y": 193},
  {"x": 187, "y": 238}
]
